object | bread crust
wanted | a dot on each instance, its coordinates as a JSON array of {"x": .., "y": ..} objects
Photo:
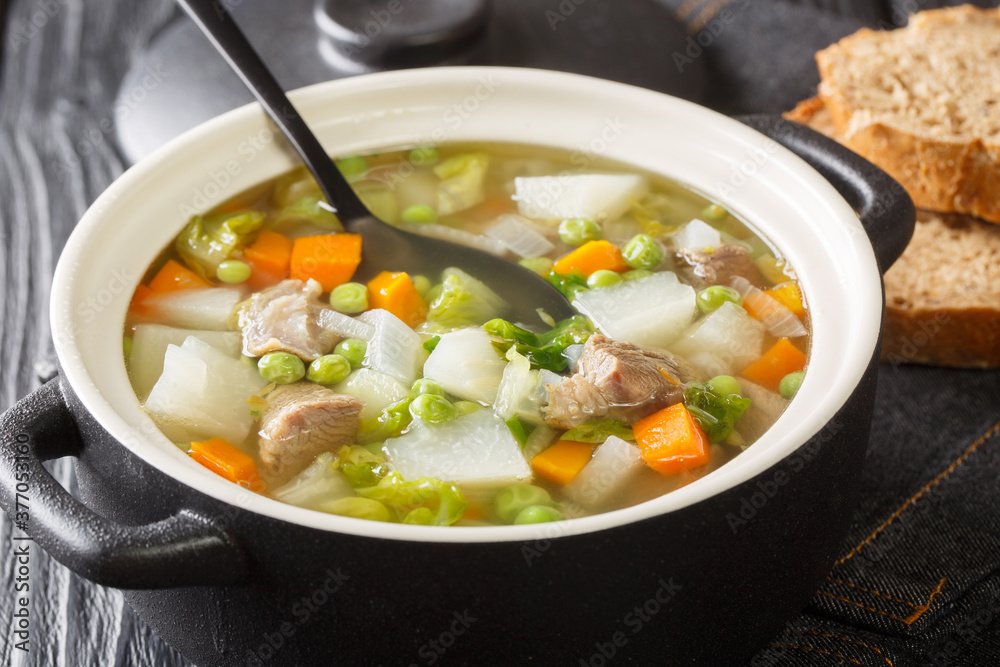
[
  {"x": 941, "y": 174},
  {"x": 957, "y": 337},
  {"x": 958, "y": 322}
]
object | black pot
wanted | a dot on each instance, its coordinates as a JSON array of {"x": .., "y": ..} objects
[{"x": 706, "y": 582}]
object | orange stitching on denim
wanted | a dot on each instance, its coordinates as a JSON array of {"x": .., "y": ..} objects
[
  {"x": 843, "y": 639},
  {"x": 868, "y": 590},
  {"x": 923, "y": 608},
  {"x": 706, "y": 15},
  {"x": 909, "y": 620},
  {"x": 972, "y": 448},
  {"x": 816, "y": 650},
  {"x": 863, "y": 606}
]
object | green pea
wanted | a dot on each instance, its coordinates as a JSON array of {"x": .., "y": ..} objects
[
  {"x": 509, "y": 502},
  {"x": 422, "y": 284},
  {"x": 635, "y": 274},
  {"x": 642, "y": 252},
  {"x": 790, "y": 384},
  {"x": 425, "y": 386},
  {"x": 724, "y": 385},
  {"x": 540, "y": 265},
  {"x": 577, "y": 231},
  {"x": 433, "y": 409},
  {"x": 711, "y": 298},
  {"x": 281, "y": 367},
  {"x": 357, "y": 508},
  {"x": 233, "y": 271},
  {"x": 352, "y": 349},
  {"x": 714, "y": 213},
  {"x": 423, "y": 156},
  {"x": 466, "y": 407},
  {"x": 420, "y": 516},
  {"x": 352, "y": 167},
  {"x": 603, "y": 278},
  {"x": 419, "y": 214},
  {"x": 127, "y": 346},
  {"x": 328, "y": 369},
  {"x": 538, "y": 514},
  {"x": 349, "y": 298}
]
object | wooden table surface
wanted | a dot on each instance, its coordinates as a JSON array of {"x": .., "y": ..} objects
[{"x": 62, "y": 62}]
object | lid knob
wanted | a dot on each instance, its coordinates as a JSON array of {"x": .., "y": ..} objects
[{"x": 398, "y": 33}]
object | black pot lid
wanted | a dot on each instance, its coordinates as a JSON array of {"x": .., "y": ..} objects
[{"x": 180, "y": 81}]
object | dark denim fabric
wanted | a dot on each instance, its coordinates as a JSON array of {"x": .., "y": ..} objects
[{"x": 917, "y": 580}]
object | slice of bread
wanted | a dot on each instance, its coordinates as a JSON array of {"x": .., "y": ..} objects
[
  {"x": 943, "y": 293},
  {"x": 923, "y": 103}
]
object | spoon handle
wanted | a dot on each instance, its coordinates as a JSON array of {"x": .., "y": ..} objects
[{"x": 215, "y": 21}]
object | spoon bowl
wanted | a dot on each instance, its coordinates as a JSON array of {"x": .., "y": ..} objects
[{"x": 384, "y": 247}]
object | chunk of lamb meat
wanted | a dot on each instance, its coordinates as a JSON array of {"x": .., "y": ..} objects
[
  {"x": 302, "y": 420},
  {"x": 719, "y": 266},
  {"x": 617, "y": 380},
  {"x": 286, "y": 318}
]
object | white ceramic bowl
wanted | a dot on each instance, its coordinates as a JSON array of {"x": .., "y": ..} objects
[{"x": 775, "y": 191}]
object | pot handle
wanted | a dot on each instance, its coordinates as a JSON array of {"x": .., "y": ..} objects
[
  {"x": 183, "y": 550},
  {"x": 885, "y": 209}
]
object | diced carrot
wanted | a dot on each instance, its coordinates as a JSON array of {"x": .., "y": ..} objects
[
  {"x": 138, "y": 306},
  {"x": 495, "y": 205},
  {"x": 789, "y": 296},
  {"x": 174, "y": 277},
  {"x": 395, "y": 292},
  {"x": 271, "y": 252},
  {"x": 269, "y": 258},
  {"x": 561, "y": 462},
  {"x": 226, "y": 460},
  {"x": 671, "y": 440},
  {"x": 231, "y": 206},
  {"x": 590, "y": 257},
  {"x": 330, "y": 259},
  {"x": 783, "y": 358},
  {"x": 259, "y": 279},
  {"x": 474, "y": 513}
]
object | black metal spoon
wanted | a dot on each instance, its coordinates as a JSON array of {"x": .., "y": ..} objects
[{"x": 384, "y": 247}]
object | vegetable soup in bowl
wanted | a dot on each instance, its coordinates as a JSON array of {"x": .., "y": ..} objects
[
  {"x": 320, "y": 465},
  {"x": 411, "y": 398}
]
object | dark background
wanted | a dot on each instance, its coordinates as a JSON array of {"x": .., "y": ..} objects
[{"x": 58, "y": 85}]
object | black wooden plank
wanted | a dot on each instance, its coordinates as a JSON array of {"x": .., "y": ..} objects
[{"x": 60, "y": 69}]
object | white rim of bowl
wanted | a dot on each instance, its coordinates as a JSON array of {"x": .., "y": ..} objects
[{"x": 87, "y": 314}]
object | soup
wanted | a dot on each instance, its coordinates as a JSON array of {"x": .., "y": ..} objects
[{"x": 411, "y": 398}]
